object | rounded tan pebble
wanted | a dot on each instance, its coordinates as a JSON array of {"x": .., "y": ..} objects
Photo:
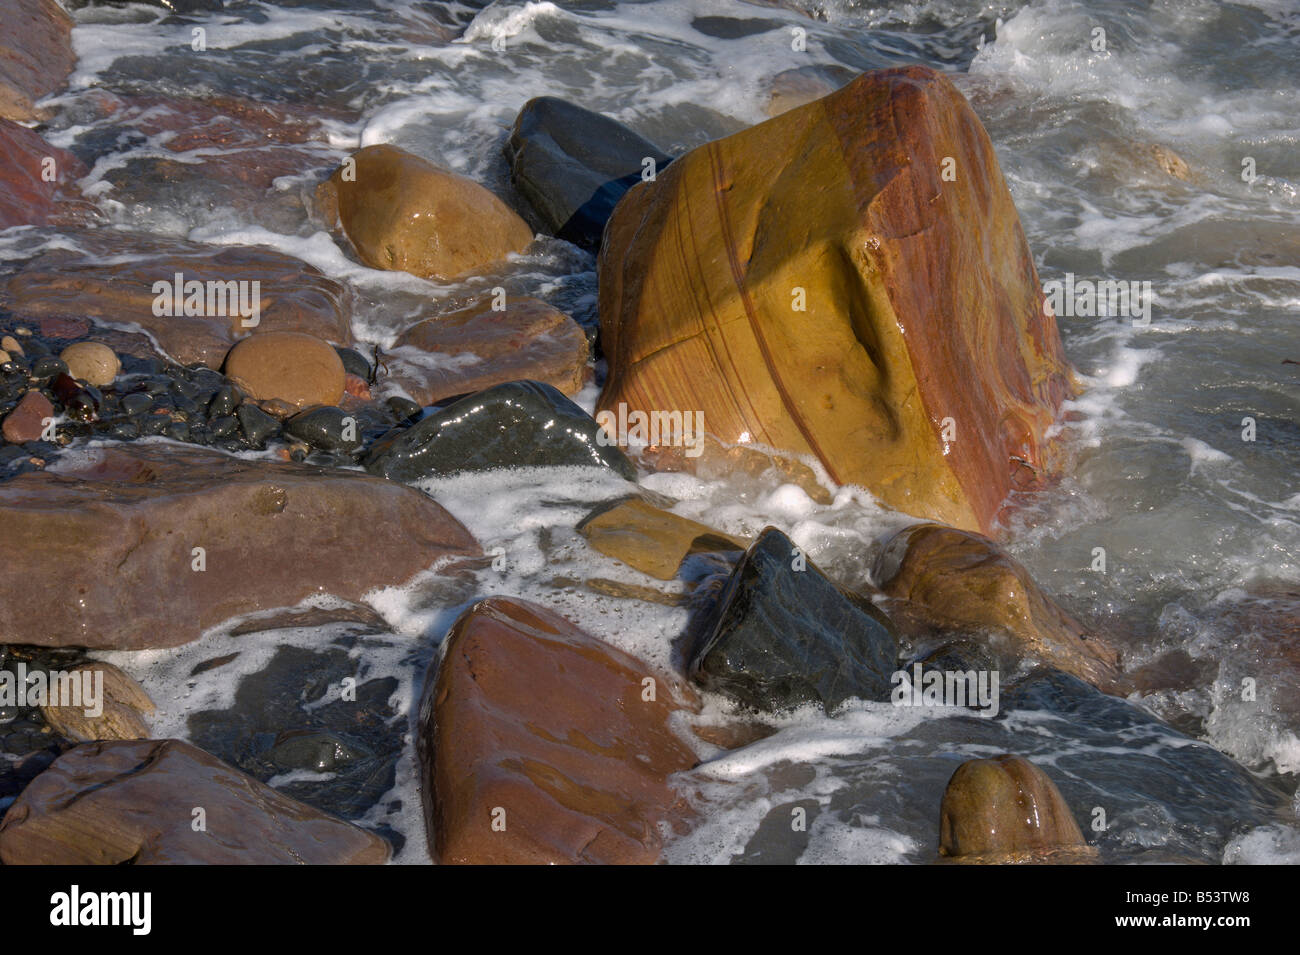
[
  {"x": 287, "y": 370},
  {"x": 92, "y": 362},
  {"x": 10, "y": 344},
  {"x": 121, "y": 702}
]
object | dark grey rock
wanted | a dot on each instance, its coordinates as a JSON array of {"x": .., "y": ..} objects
[
  {"x": 782, "y": 636},
  {"x": 518, "y": 424},
  {"x": 573, "y": 166}
]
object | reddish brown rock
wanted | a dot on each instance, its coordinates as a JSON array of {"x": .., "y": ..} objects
[
  {"x": 920, "y": 299},
  {"x": 26, "y": 196},
  {"x": 291, "y": 295},
  {"x": 1006, "y": 809},
  {"x": 402, "y": 212},
  {"x": 534, "y": 724},
  {"x": 287, "y": 371},
  {"x": 960, "y": 581},
  {"x": 27, "y": 420},
  {"x": 473, "y": 348},
  {"x": 35, "y": 55},
  {"x": 133, "y": 802},
  {"x": 272, "y": 535}
]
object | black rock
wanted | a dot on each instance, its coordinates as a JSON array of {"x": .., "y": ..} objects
[
  {"x": 256, "y": 424},
  {"x": 783, "y": 634},
  {"x": 518, "y": 424},
  {"x": 225, "y": 401},
  {"x": 48, "y": 366},
  {"x": 354, "y": 363},
  {"x": 733, "y": 28},
  {"x": 574, "y": 165},
  {"x": 404, "y": 408},
  {"x": 330, "y": 429},
  {"x": 136, "y": 403},
  {"x": 175, "y": 6}
]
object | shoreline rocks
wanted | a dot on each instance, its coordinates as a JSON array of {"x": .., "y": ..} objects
[
  {"x": 959, "y": 581},
  {"x": 1006, "y": 809},
  {"x": 574, "y": 165},
  {"x": 270, "y": 535},
  {"x": 817, "y": 284},
  {"x": 403, "y": 213},
  {"x": 286, "y": 371},
  {"x": 538, "y": 745},
  {"x": 116, "y": 802},
  {"x": 473, "y": 348},
  {"x": 36, "y": 56}
]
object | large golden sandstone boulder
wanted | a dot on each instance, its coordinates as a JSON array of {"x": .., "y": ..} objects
[
  {"x": 403, "y": 213},
  {"x": 921, "y": 301}
]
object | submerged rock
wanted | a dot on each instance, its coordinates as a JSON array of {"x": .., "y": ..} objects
[
  {"x": 538, "y": 744},
  {"x": 270, "y": 535},
  {"x": 653, "y": 541},
  {"x": 403, "y": 213},
  {"x": 960, "y": 582},
  {"x": 520, "y": 424},
  {"x": 818, "y": 285},
  {"x": 27, "y": 420},
  {"x": 574, "y": 165},
  {"x": 783, "y": 635},
  {"x": 110, "y": 803},
  {"x": 1004, "y": 809},
  {"x": 467, "y": 350}
]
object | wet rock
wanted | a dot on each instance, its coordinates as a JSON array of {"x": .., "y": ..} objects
[
  {"x": 109, "y": 803},
  {"x": 354, "y": 363},
  {"x": 520, "y": 424},
  {"x": 465, "y": 351},
  {"x": 575, "y": 774},
  {"x": 330, "y": 429},
  {"x": 574, "y": 165},
  {"x": 272, "y": 534},
  {"x": 286, "y": 370},
  {"x": 26, "y": 197},
  {"x": 36, "y": 56},
  {"x": 783, "y": 635},
  {"x": 121, "y": 701},
  {"x": 403, "y": 213},
  {"x": 48, "y": 366},
  {"x": 653, "y": 541},
  {"x": 814, "y": 284},
  {"x": 961, "y": 582},
  {"x": 734, "y": 28},
  {"x": 27, "y": 420},
  {"x": 256, "y": 424},
  {"x": 1005, "y": 807},
  {"x": 291, "y": 295},
  {"x": 798, "y": 87},
  {"x": 92, "y": 362}
]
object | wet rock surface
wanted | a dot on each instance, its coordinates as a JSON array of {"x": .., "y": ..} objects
[
  {"x": 574, "y": 165},
  {"x": 575, "y": 775},
  {"x": 823, "y": 247},
  {"x": 109, "y": 803},
  {"x": 652, "y": 540},
  {"x": 36, "y": 56},
  {"x": 963, "y": 582},
  {"x": 473, "y": 348},
  {"x": 516, "y": 425},
  {"x": 783, "y": 635},
  {"x": 270, "y": 535}
]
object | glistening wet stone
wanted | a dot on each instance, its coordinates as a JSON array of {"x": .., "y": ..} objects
[
  {"x": 519, "y": 424},
  {"x": 783, "y": 635}
]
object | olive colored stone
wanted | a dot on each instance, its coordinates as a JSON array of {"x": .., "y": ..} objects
[
  {"x": 92, "y": 362},
  {"x": 403, "y": 213},
  {"x": 520, "y": 424},
  {"x": 1003, "y": 806},
  {"x": 123, "y": 704},
  {"x": 286, "y": 371},
  {"x": 783, "y": 634},
  {"x": 653, "y": 541},
  {"x": 961, "y": 582},
  {"x": 48, "y": 366}
]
